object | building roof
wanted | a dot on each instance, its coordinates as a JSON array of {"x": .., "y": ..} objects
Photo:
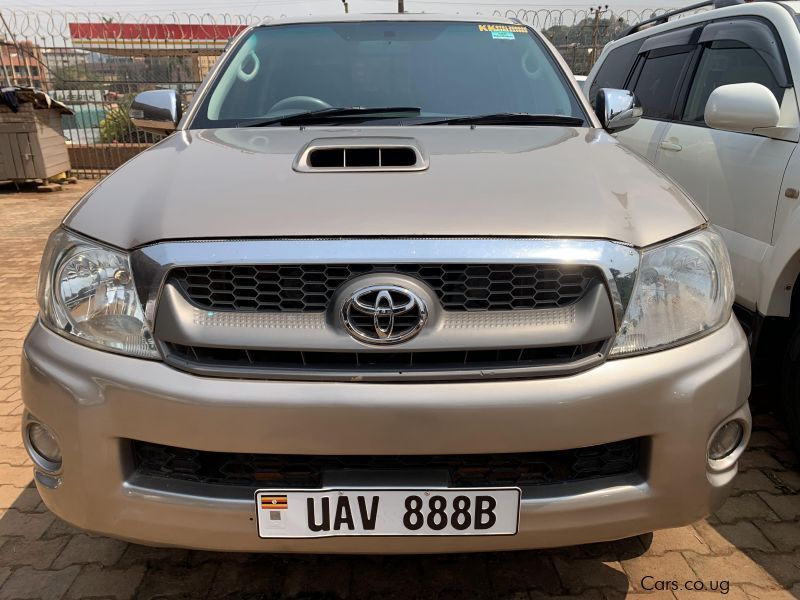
[{"x": 152, "y": 38}]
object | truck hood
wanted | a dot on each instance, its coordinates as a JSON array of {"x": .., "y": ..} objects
[{"x": 486, "y": 181}]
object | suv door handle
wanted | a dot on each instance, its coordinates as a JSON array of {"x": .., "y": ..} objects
[{"x": 670, "y": 146}]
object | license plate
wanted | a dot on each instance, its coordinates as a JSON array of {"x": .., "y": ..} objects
[{"x": 387, "y": 512}]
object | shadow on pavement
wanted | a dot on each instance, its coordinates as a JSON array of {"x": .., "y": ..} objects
[{"x": 41, "y": 556}]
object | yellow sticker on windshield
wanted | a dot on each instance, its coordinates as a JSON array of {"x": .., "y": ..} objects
[{"x": 507, "y": 28}]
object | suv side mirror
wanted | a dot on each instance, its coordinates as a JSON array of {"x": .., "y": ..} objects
[
  {"x": 617, "y": 109},
  {"x": 156, "y": 111},
  {"x": 742, "y": 108}
]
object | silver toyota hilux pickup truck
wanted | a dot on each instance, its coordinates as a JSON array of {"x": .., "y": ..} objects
[{"x": 389, "y": 285}]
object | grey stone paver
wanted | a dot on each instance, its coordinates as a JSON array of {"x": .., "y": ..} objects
[
  {"x": 95, "y": 581},
  {"x": 753, "y": 542},
  {"x": 27, "y": 582}
]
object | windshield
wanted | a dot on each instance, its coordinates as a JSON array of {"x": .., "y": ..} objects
[{"x": 426, "y": 69}]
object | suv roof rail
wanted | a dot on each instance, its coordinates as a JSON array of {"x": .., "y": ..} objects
[{"x": 660, "y": 19}]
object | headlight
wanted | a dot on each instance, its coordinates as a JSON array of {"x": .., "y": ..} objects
[
  {"x": 684, "y": 290},
  {"x": 86, "y": 293}
]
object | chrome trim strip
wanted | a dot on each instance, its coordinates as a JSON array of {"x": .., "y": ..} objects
[
  {"x": 257, "y": 320},
  {"x": 542, "y": 317},
  {"x": 619, "y": 262},
  {"x": 150, "y": 488}
]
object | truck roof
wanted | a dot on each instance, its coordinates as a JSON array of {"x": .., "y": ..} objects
[
  {"x": 373, "y": 17},
  {"x": 795, "y": 6}
]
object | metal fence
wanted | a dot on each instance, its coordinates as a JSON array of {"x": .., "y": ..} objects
[
  {"x": 96, "y": 63},
  {"x": 580, "y": 34}
]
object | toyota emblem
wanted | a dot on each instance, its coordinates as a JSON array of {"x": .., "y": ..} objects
[{"x": 384, "y": 314}]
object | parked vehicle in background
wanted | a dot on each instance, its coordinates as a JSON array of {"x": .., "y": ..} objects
[
  {"x": 360, "y": 302},
  {"x": 721, "y": 117}
]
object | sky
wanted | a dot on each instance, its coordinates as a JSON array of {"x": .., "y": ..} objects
[{"x": 276, "y": 8}]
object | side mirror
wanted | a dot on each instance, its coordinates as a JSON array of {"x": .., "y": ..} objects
[
  {"x": 617, "y": 109},
  {"x": 742, "y": 108},
  {"x": 156, "y": 111}
]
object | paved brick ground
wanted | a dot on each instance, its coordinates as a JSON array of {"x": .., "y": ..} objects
[{"x": 753, "y": 542}]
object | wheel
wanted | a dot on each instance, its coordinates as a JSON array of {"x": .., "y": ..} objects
[
  {"x": 299, "y": 103},
  {"x": 790, "y": 387}
]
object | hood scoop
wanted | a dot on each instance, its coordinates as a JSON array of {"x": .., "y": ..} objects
[{"x": 369, "y": 154}]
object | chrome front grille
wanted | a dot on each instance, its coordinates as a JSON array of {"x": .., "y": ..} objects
[
  {"x": 276, "y": 309},
  {"x": 310, "y": 287}
]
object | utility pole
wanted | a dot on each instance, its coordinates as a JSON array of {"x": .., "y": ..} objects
[
  {"x": 598, "y": 12},
  {"x": 401, "y": 6}
]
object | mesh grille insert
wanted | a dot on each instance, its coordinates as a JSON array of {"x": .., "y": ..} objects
[
  {"x": 309, "y": 288},
  {"x": 464, "y": 470}
]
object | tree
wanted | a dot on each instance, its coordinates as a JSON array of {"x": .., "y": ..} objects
[
  {"x": 118, "y": 127},
  {"x": 580, "y": 43}
]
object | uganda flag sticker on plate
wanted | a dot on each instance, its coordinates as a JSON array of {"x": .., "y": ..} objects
[
  {"x": 274, "y": 502},
  {"x": 274, "y": 511}
]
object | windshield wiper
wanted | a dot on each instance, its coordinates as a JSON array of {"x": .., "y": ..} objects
[
  {"x": 510, "y": 119},
  {"x": 324, "y": 114}
]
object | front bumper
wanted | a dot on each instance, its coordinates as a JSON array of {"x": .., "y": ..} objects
[{"x": 92, "y": 400}]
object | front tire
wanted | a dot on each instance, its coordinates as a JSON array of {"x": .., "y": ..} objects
[{"x": 790, "y": 387}]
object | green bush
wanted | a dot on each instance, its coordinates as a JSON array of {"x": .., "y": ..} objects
[{"x": 117, "y": 126}]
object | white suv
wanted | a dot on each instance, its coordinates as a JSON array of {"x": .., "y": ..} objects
[{"x": 721, "y": 118}]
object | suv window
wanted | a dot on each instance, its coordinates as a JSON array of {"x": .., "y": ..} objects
[
  {"x": 657, "y": 85},
  {"x": 723, "y": 63},
  {"x": 613, "y": 73},
  {"x": 445, "y": 68}
]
